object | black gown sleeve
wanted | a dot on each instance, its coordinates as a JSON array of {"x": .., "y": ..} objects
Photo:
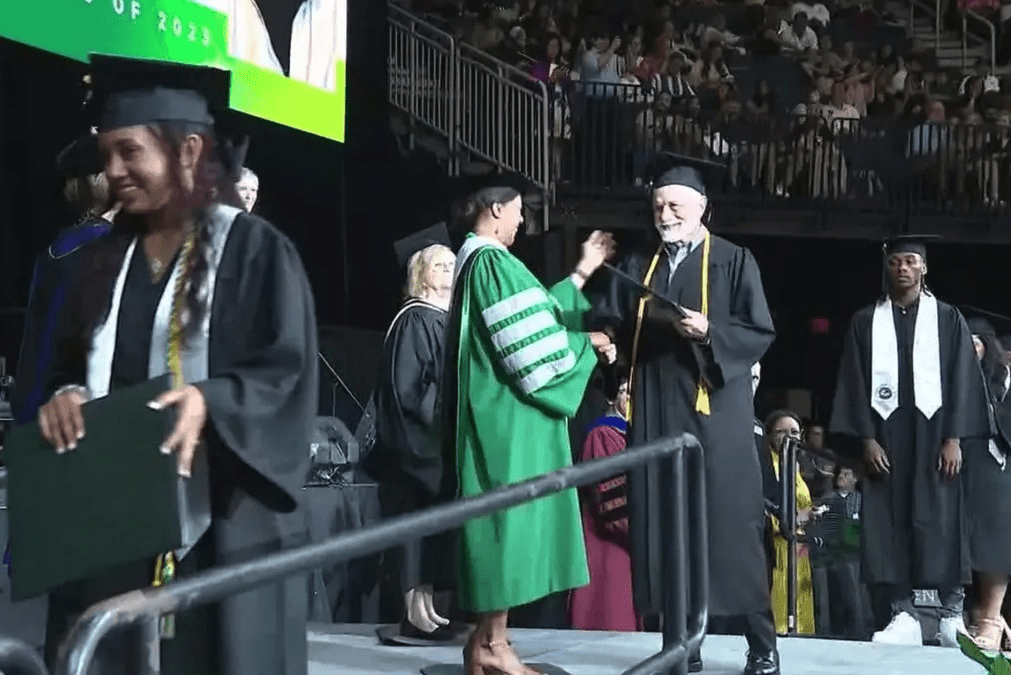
[
  {"x": 965, "y": 410},
  {"x": 415, "y": 365},
  {"x": 737, "y": 344},
  {"x": 262, "y": 392},
  {"x": 851, "y": 409}
]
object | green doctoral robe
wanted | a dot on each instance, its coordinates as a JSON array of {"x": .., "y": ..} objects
[{"x": 517, "y": 367}]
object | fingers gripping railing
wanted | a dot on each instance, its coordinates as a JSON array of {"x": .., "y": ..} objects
[
  {"x": 142, "y": 608},
  {"x": 684, "y": 623}
]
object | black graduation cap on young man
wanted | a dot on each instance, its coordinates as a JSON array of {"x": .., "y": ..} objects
[
  {"x": 80, "y": 158},
  {"x": 668, "y": 168},
  {"x": 908, "y": 243},
  {"x": 984, "y": 323},
  {"x": 411, "y": 244},
  {"x": 129, "y": 92}
]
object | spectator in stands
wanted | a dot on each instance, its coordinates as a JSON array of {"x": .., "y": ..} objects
[
  {"x": 599, "y": 64},
  {"x": 630, "y": 57},
  {"x": 829, "y": 58},
  {"x": 716, "y": 33},
  {"x": 485, "y": 34},
  {"x": 711, "y": 70},
  {"x": 798, "y": 35},
  {"x": 930, "y": 136},
  {"x": 763, "y": 102},
  {"x": 840, "y": 112},
  {"x": 817, "y": 13}
]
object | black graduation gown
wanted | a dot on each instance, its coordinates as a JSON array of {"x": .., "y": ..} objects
[
  {"x": 406, "y": 461},
  {"x": 53, "y": 269},
  {"x": 261, "y": 400},
  {"x": 988, "y": 495},
  {"x": 913, "y": 520},
  {"x": 663, "y": 404}
]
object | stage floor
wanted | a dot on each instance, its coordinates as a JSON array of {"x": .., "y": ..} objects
[{"x": 354, "y": 650}]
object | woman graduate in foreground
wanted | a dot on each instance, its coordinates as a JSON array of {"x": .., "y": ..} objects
[
  {"x": 189, "y": 284},
  {"x": 517, "y": 363}
]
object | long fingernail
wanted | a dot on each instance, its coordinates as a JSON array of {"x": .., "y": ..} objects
[
  {"x": 154, "y": 405},
  {"x": 165, "y": 450},
  {"x": 80, "y": 435},
  {"x": 185, "y": 473},
  {"x": 60, "y": 450},
  {"x": 72, "y": 446}
]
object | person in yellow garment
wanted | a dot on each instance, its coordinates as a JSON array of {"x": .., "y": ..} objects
[
  {"x": 782, "y": 424},
  {"x": 518, "y": 360}
]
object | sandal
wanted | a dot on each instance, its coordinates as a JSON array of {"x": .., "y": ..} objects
[{"x": 990, "y": 635}]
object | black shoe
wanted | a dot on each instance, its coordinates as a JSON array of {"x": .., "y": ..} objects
[
  {"x": 694, "y": 664},
  {"x": 760, "y": 663}
]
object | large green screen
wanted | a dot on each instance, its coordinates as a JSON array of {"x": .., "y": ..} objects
[{"x": 308, "y": 94}]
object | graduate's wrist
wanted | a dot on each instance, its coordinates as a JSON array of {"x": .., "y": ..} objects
[{"x": 72, "y": 389}]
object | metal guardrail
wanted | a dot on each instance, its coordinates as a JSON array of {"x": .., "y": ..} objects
[
  {"x": 17, "y": 658},
  {"x": 966, "y": 15},
  {"x": 787, "y": 160},
  {"x": 140, "y": 609},
  {"x": 480, "y": 106}
]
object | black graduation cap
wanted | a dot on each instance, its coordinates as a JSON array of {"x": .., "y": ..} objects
[
  {"x": 667, "y": 168},
  {"x": 80, "y": 158},
  {"x": 488, "y": 185},
  {"x": 129, "y": 92},
  {"x": 908, "y": 243},
  {"x": 982, "y": 322},
  {"x": 411, "y": 244},
  {"x": 488, "y": 189}
]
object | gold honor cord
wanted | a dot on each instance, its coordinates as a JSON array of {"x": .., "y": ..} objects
[
  {"x": 702, "y": 395},
  {"x": 165, "y": 564}
]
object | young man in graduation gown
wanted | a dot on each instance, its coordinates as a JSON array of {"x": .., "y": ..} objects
[
  {"x": 693, "y": 374},
  {"x": 406, "y": 466},
  {"x": 188, "y": 284},
  {"x": 517, "y": 363},
  {"x": 909, "y": 390},
  {"x": 87, "y": 191}
]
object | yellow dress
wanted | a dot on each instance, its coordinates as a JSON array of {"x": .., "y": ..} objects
[{"x": 805, "y": 596}]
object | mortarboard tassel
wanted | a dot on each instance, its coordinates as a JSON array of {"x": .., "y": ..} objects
[{"x": 702, "y": 398}]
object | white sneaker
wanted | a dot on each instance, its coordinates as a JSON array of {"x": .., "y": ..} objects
[
  {"x": 949, "y": 629},
  {"x": 903, "y": 630}
]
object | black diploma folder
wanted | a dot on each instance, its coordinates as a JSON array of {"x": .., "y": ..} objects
[{"x": 112, "y": 500}]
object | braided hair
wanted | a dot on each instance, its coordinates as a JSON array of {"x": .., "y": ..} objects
[{"x": 212, "y": 185}]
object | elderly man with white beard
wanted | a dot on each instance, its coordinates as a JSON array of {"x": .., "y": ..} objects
[{"x": 691, "y": 372}]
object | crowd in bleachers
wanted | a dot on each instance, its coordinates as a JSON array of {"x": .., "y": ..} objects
[{"x": 797, "y": 98}]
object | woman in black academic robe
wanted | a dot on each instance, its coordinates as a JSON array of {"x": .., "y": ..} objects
[
  {"x": 988, "y": 494},
  {"x": 241, "y": 292}
]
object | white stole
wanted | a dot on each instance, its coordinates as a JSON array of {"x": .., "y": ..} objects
[
  {"x": 193, "y": 492},
  {"x": 472, "y": 245},
  {"x": 926, "y": 359}
]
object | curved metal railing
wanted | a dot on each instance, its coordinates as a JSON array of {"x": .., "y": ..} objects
[{"x": 685, "y": 555}]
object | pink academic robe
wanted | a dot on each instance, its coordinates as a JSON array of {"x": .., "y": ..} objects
[{"x": 606, "y": 603}]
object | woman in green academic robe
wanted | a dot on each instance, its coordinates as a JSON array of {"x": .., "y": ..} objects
[{"x": 517, "y": 365}]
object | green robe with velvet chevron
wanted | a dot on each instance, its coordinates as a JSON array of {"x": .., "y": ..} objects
[{"x": 522, "y": 366}]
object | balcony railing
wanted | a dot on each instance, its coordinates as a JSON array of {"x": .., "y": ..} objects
[{"x": 605, "y": 135}]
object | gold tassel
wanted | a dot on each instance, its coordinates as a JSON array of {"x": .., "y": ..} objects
[{"x": 702, "y": 401}]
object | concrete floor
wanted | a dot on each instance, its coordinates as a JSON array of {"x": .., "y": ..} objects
[{"x": 354, "y": 650}]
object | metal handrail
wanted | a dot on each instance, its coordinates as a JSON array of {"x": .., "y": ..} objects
[
  {"x": 522, "y": 102},
  {"x": 993, "y": 36},
  {"x": 17, "y": 658},
  {"x": 141, "y": 608},
  {"x": 427, "y": 45},
  {"x": 935, "y": 10}
]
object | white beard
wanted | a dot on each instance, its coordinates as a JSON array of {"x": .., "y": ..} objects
[{"x": 669, "y": 233}]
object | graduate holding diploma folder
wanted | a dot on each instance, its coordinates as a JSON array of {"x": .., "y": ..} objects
[{"x": 190, "y": 287}]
